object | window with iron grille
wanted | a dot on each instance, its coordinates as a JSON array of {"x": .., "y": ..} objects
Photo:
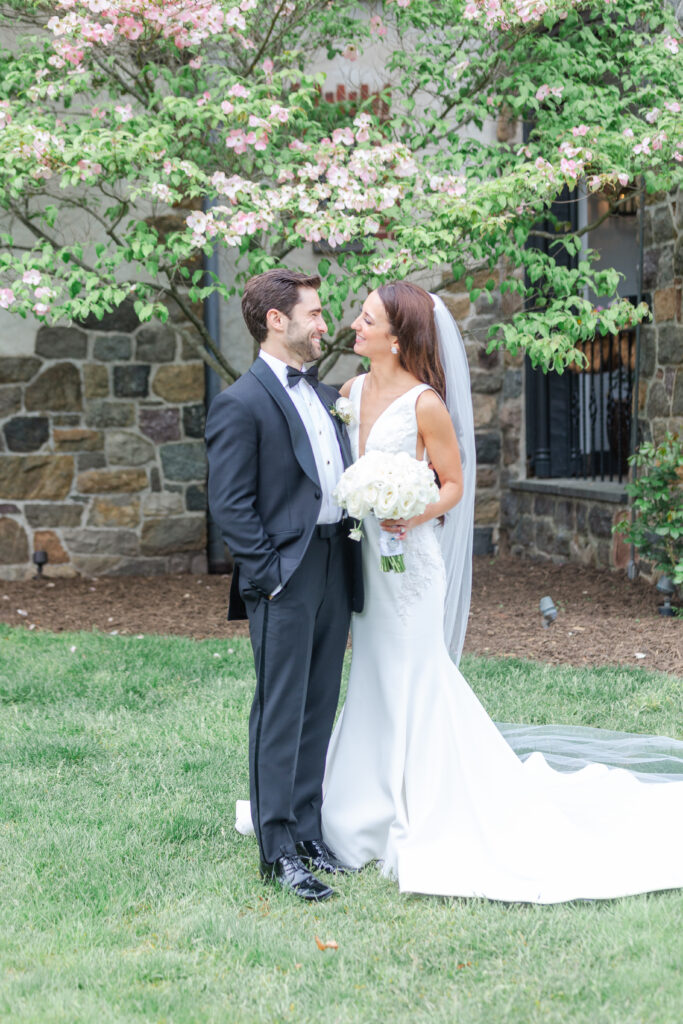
[{"x": 578, "y": 424}]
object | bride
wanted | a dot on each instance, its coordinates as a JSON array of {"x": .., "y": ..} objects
[{"x": 418, "y": 777}]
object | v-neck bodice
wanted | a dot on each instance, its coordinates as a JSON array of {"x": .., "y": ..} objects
[{"x": 395, "y": 429}]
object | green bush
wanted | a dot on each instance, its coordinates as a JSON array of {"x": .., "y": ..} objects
[{"x": 657, "y": 500}]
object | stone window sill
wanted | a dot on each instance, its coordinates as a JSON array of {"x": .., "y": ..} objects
[{"x": 571, "y": 487}]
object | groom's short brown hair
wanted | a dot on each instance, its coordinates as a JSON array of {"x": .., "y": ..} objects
[{"x": 275, "y": 289}]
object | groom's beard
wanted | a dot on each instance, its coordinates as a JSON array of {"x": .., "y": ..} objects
[{"x": 302, "y": 346}]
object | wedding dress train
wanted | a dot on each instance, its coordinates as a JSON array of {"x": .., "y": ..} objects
[{"x": 419, "y": 778}]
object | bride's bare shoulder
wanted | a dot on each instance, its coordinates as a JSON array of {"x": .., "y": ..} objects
[
  {"x": 345, "y": 389},
  {"x": 431, "y": 411}
]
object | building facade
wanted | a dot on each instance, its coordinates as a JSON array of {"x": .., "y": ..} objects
[{"x": 102, "y": 461}]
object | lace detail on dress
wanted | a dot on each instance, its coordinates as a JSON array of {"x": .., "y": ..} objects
[
  {"x": 424, "y": 567},
  {"x": 395, "y": 430}
]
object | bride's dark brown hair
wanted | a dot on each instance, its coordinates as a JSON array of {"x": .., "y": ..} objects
[{"x": 410, "y": 312}]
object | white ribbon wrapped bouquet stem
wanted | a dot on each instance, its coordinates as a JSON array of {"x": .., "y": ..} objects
[{"x": 390, "y": 486}]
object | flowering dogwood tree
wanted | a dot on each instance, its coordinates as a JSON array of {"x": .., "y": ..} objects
[
  {"x": 598, "y": 87},
  {"x": 116, "y": 113}
]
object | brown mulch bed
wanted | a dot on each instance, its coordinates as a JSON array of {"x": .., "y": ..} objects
[{"x": 602, "y": 617}]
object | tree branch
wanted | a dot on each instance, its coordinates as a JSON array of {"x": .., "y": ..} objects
[
  {"x": 557, "y": 236},
  {"x": 111, "y": 73},
  {"x": 227, "y": 371},
  {"x": 34, "y": 229},
  {"x": 339, "y": 347},
  {"x": 260, "y": 51}
]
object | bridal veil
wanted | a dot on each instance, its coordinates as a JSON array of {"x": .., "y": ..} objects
[{"x": 458, "y": 528}]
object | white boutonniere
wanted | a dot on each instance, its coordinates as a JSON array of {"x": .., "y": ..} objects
[
  {"x": 342, "y": 410},
  {"x": 357, "y": 532}
]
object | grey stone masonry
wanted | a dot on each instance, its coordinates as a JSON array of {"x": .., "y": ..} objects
[
  {"x": 660, "y": 397},
  {"x": 497, "y": 397},
  {"x": 99, "y": 469},
  {"x": 102, "y": 459},
  {"x": 564, "y": 520}
]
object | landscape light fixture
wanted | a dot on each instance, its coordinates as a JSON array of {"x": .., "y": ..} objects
[
  {"x": 40, "y": 559},
  {"x": 548, "y": 611},
  {"x": 666, "y": 586}
]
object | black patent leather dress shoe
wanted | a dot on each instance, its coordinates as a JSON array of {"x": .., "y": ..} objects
[
  {"x": 290, "y": 872},
  {"x": 317, "y": 855}
]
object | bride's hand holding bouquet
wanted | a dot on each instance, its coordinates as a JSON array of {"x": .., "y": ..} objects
[{"x": 395, "y": 488}]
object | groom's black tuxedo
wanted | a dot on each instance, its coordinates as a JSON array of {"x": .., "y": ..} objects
[
  {"x": 264, "y": 490},
  {"x": 265, "y": 495}
]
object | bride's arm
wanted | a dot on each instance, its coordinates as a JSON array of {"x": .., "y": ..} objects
[
  {"x": 437, "y": 432},
  {"x": 436, "y": 429}
]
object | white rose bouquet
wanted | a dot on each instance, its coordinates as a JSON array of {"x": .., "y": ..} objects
[{"x": 392, "y": 486}]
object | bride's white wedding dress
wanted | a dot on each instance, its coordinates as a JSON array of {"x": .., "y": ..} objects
[{"x": 420, "y": 778}]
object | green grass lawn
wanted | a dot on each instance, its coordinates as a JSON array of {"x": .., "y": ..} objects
[{"x": 126, "y": 894}]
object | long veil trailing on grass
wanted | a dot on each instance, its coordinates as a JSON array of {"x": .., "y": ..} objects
[
  {"x": 571, "y": 747},
  {"x": 565, "y": 747}
]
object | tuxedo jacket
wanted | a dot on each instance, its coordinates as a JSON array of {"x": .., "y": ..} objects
[{"x": 264, "y": 490}]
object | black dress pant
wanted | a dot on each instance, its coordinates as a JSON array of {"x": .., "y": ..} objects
[{"x": 299, "y": 639}]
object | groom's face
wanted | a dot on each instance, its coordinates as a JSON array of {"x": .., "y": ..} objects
[{"x": 305, "y": 327}]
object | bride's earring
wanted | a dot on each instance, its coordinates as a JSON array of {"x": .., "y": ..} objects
[{"x": 394, "y": 350}]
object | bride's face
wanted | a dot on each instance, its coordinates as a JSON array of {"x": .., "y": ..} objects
[{"x": 373, "y": 333}]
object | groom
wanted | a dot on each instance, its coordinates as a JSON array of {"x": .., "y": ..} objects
[{"x": 275, "y": 455}]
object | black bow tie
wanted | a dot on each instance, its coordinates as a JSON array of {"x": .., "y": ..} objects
[{"x": 294, "y": 376}]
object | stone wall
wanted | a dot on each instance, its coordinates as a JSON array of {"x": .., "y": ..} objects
[
  {"x": 497, "y": 387},
  {"x": 102, "y": 461},
  {"x": 559, "y": 524},
  {"x": 661, "y": 384}
]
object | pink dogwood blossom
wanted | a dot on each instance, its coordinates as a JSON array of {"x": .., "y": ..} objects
[
  {"x": 221, "y": 100},
  {"x": 545, "y": 91},
  {"x": 161, "y": 191}
]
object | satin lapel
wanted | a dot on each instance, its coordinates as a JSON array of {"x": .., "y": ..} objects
[
  {"x": 300, "y": 442},
  {"x": 340, "y": 429}
]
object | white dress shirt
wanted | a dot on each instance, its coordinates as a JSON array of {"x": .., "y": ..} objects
[{"x": 321, "y": 434}]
